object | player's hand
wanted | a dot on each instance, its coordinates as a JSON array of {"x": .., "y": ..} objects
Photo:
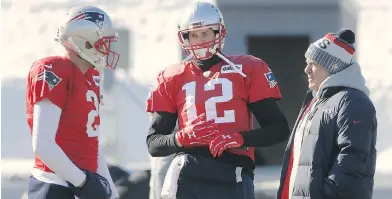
[
  {"x": 95, "y": 187},
  {"x": 198, "y": 133},
  {"x": 225, "y": 141}
]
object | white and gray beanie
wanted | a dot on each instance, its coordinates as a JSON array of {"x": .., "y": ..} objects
[{"x": 334, "y": 52}]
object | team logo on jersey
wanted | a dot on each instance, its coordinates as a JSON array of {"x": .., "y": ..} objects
[
  {"x": 230, "y": 69},
  {"x": 95, "y": 17},
  {"x": 49, "y": 77},
  {"x": 271, "y": 79}
]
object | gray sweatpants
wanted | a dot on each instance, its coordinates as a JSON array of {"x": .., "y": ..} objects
[
  {"x": 198, "y": 177},
  {"x": 159, "y": 166}
]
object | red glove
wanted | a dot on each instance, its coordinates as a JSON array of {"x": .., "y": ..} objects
[
  {"x": 198, "y": 132},
  {"x": 225, "y": 141}
]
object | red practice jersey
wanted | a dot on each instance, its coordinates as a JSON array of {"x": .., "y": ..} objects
[
  {"x": 77, "y": 94},
  {"x": 221, "y": 93}
]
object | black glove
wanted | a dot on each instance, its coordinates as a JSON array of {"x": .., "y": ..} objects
[{"x": 96, "y": 187}]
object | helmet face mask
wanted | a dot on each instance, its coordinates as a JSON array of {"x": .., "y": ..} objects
[
  {"x": 103, "y": 46},
  {"x": 89, "y": 32},
  {"x": 202, "y": 15},
  {"x": 203, "y": 50}
]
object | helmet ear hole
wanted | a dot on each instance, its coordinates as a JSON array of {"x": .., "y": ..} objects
[
  {"x": 88, "y": 45},
  {"x": 185, "y": 35}
]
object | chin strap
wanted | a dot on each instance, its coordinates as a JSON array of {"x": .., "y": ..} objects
[
  {"x": 190, "y": 56},
  {"x": 231, "y": 64}
]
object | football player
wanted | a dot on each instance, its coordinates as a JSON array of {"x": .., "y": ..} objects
[
  {"x": 213, "y": 97},
  {"x": 62, "y": 101}
]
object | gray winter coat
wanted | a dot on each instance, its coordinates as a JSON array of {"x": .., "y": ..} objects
[{"x": 338, "y": 153}]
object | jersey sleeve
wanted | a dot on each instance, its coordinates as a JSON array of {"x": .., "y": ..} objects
[
  {"x": 161, "y": 97},
  {"x": 47, "y": 82},
  {"x": 262, "y": 83}
]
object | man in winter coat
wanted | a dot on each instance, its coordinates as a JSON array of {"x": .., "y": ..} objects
[{"x": 331, "y": 152}]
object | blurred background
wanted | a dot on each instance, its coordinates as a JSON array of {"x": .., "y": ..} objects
[{"x": 277, "y": 31}]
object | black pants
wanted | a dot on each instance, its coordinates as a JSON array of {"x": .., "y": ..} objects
[
  {"x": 42, "y": 190},
  {"x": 206, "y": 178}
]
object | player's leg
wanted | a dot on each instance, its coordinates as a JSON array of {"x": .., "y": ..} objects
[
  {"x": 245, "y": 188},
  {"x": 159, "y": 167},
  {"x": 42, "y": 190},
  {"x": 198, "y": 177},
  {"x": 189, "y": 188},
  {"x": 193, "y": 189}
]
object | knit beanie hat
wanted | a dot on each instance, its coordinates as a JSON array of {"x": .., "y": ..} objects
[{"x": 334, "y": 52}]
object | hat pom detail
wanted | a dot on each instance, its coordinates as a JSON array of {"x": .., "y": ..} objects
[{"x": 346, "y": 35}]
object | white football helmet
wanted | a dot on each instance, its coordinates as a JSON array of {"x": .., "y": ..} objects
[
  {"x": 89, "y": 31},
  {"x": 202, "y": 15}
]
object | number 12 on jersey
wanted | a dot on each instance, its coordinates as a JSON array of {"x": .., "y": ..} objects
[{"x": 210, "y": 104}]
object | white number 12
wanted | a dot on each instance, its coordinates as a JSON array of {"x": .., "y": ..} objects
[{"x": 210, "y": 104}]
